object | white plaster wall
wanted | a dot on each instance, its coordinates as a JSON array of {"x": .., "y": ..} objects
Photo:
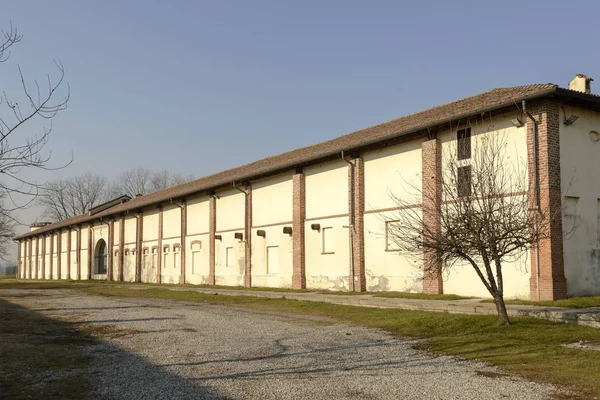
[
  {"x": 150, "y": 225},
  {"x": 393, "y": 171},
  {"x": 462, "y": 279},
  {"x": 231, "y": 208},
  {"x": 233, "y": 274},
  {"x": 172, "y": 222},
  {"x": 84, "y": 253},
  {"x": 280, "y": 274},
  {"x": 580, "y": 165},
  {"x": 327, "y": 271},
  {"x": 198, "y": 215},
  {"x": 389, "y": 270},
  {"x": 326, "y": 189},
  {"x": 130, "y": 230},
  {"x": 129, "y": 259},
  {"x": 117, "y": 235},
  {"x": 197, "y": 259},
  {"x": 46, "y": 257},
  {"x": 149, "y": 267},
  {"x": 171, "y": 270},
  {"x": 272, "y": 200}
]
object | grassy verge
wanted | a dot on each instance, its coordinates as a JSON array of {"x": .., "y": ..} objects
[
  {"x": 402, "y": 295},
  {"x": 530, "y": 348},
  {"x": 573, "y": 302}
]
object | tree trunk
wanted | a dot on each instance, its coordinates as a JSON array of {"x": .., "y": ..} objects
[{"x": 501, "y": 308}]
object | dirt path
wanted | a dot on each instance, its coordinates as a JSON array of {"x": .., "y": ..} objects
[{"x": 149, "y": 348}]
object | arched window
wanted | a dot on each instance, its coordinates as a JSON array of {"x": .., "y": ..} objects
[{"x": 100, "y": 256}]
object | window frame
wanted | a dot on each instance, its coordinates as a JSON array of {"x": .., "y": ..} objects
[
  {"x": 464, "y": 188},
  {"x": 323, "y": 248}
]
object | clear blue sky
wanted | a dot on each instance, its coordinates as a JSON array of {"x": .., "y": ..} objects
[{"x": 196, "y": 87}]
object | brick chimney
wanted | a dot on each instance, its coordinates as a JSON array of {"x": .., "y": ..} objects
[{"x": 581, "y": 83}]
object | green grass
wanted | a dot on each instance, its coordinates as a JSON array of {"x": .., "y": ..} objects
[{"x": 573, "y": 302}]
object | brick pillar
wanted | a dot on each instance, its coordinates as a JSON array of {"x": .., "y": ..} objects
[
  {"x": 358, "y": 231},
  {"x": 69, "y": 254},
  {"x": 298, "y": 238},
  {"x": 159, "y": 256},
  {"x": 43, "y": 253},
  {"x": 248, "y": 238},
  {"x": 59, "y": 254},
  {"x": 212, "y": 228},
  {"x": 552, "y": 281},
  {"x": 51, "y": 255},
  {"x": 183, "y": 238},
  {"x": 90, "y": 247},
  {"x": 431, "y": 153},
  {"x": 121, "y": 248},
  {"x": 110, "y": 251},
  {"x": 78, "y": 253},
  {"x": 138, "y": 245}
]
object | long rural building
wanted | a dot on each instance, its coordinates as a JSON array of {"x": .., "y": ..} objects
[{"x": 316, "y": 217}]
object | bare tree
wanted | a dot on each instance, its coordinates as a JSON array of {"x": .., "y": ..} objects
[
  {"x": 67, "y": 198},
  {"x": 133, "y": 182},
  {"x": 165, "y": 179},
  {"x": 486, "y": 219},
  {"x": 20, "y": 149},
  {"x": 143, "y": 181}
]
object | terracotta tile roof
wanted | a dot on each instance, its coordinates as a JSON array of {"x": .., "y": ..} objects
[{"x": 492, "y": 99}]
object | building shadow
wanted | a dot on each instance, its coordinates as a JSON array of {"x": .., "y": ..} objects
[{"x": 44, "y": 358}]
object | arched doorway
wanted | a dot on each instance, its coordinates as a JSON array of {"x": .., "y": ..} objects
[{"x": 100, "y": 258}]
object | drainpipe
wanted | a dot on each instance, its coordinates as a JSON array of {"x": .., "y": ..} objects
[
  {"x": 351, "y": 220},
  {"x": 536, "y": 189}
]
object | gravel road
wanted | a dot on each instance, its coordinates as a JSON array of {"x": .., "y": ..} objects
[{"x": 160, "y": 349}]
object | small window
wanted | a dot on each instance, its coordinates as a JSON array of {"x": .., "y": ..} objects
[
  {"x": 463, "y": 138},
  {"x": 176, "y": 258},
  {"x": 229, "y": 257},
  {"x": 165, "y": 257},
  {"x": 391, "y": 243},
  {"x": 272, "y": 259},
  {"x": 327, "y": 240},
  {"x": 463, "y": 181},
  {"x": 154, "y": 257},
  {"x": 571, "y": 212}
]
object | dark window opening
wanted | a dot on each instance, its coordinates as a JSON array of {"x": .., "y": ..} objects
[
  {"x": 101, "y": 257},
  {"x": 463, "y": 137},
  {"x": 464, "y": 181}
]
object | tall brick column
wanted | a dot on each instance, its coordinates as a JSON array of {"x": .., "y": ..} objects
[
  {"x": 212, "y": 228},
  {"x": 248, "y": 238},
  {"x": 552, "y": 281},
  {"x": 431, "y": 153},
  {"x": 138, "y": 246},
  {"x": 183, "y": 236},
  {"x": 159, "y": 250},
  {"x": 110, "y": 250},
  {"x": 121, "y": 248},
  {"x": 298, "y": 238},
  {"x": 69, "y": 254},
  {"x": 59, "y": 254},
  {"x": 358, "y": 232},
  {"x": 51, "y": 255}
]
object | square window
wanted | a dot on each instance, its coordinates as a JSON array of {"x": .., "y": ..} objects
[
  {"x": 272, "y": 259},
  {"x": 463, "y": 138},
  {"x": 229, "y": 255},
  {"x": 327, "y": 236},
  {"x": 463, "y": 181},
  {"x": 391, "y": 243}
]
